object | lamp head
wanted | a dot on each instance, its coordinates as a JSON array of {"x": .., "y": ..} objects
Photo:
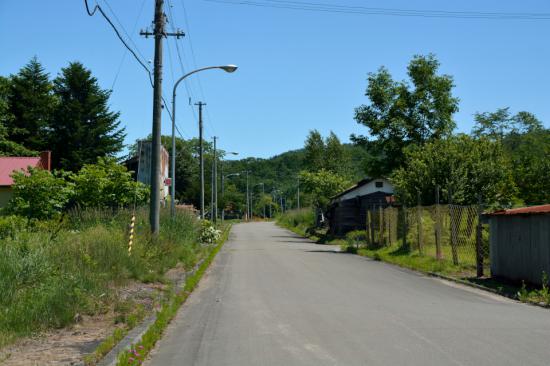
[{"x": 229, "y": 68}]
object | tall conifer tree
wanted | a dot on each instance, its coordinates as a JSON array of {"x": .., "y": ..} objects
[{"x": 84, "y": 127}]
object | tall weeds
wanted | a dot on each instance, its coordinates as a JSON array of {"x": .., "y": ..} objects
[{"x": 50, "y": 271}]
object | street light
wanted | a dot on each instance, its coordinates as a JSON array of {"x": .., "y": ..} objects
[
  {"x": 226, "y": 68},
  {"x": 216, "y": 179}
]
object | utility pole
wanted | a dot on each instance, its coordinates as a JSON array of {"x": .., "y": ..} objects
[
  {"x": 247, "y": 199},
  {"x": 215, "y": 183},
  {"x": 263, "y": 194},
  {"x": 298, "y": 193},
  {"x": 158, "y": 33},
  {"x": 201, "y": 154}
]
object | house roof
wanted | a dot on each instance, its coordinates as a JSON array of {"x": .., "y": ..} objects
[
  {"x": 533, "y": 210},
  {"x": 8, "y": 165},
  {"x": 361, "y": 183}
]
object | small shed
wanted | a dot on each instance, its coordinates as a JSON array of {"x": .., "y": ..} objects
[
  {"x": 348, "y": 210},
  {"x": 520, "y": 243}
]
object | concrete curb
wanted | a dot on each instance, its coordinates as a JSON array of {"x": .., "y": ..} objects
[{"x": 134, "y": 336}]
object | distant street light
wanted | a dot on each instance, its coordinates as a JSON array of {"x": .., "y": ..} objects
[{"x": 226, "y": 68}]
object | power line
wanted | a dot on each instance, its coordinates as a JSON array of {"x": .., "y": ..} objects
[
  {"x": 346, "y": 9},
  {"x": 126, "y": 51},
  {"x": 98, "y": 8}
]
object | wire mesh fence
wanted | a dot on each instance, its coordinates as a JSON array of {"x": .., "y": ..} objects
[{"x": 446, "y": 232}]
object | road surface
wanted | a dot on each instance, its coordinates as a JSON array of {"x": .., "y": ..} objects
[{"x": 272, "y": 298}]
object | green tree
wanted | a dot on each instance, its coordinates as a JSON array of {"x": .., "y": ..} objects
[
  {"x": 107, "y": 184},
  {"x": 464, "y": 165},
  {"x": 401, "y": 114},
  {"x": 31, "y": 103},
  {"x": 336, "y": 158},
  {"x": 84, "y": 128},
  {"x": 526, "y": 144},
  {"x": 314, "y": 151},
  {"x": 39, "y": 194},
  {"x": 321, "y": 186},
  {"x": 8, "y": 147}
]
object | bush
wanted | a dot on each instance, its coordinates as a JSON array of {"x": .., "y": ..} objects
[
  {"x": 11, "y": 225},
  {"x": 39, "y": 194},
  {"x": 301, "y": 220},
  {"x": 357, "y": 238},
  {"x": 209, "y": 234},
  {"x": 107, "y": 184}
]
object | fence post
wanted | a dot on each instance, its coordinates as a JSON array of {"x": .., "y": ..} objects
[
  {"x": 437, "y": 225},
  {"x": 405, "y": 244},
  {"x": 454, "y": 230},
  {"x": 369, "y": 243},
  {"x": 388, "y": 224},
  {"x": 479, "y": 238},
  {"x": 419, "y": 223},
  {"x": 380, "y": 226}
]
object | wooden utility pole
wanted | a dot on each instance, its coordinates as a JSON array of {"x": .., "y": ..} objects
[
  {"x": 215, "y": 183},
  {"x": 156, "y": 184},
  {"x": 201, "y": 156}
]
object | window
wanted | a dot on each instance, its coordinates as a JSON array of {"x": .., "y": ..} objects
[{"x": 379, "y": 184}]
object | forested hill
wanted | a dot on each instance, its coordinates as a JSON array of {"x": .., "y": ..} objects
[{"x": 281, "y": 172}]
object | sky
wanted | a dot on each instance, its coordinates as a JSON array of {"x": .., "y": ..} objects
[{"x": 298, "y": 70}]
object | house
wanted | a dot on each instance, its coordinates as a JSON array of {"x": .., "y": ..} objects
[
  {"x": 519, "y": 241},
  {"x": 141, "y": 166},
  {"x": 348, "y": 210},
  {"x": 11, "y": 164}
]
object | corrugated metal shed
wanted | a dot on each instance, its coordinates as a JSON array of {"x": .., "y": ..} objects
[
  {"x": 532, "y": 210},
  {"x": 520, "y": 243}
]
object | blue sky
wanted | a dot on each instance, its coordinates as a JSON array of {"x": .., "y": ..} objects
[{"x": 298, "y": 70}]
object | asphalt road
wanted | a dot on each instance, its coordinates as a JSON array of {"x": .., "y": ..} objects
[{"x": 272, "y": 298}]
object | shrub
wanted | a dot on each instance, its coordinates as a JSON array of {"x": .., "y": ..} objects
[
  {"x": 11, "y": 225},
  {"x": 357, "y": 238},
  {"x": 39, "y": 194},
  {"x": 209, "y": 234},
  {"x": 107, "y": 184}
]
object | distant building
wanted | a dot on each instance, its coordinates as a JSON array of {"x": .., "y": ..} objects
[
  {"x": 141, "y": 166},
  {"x": 348, "y": 210},
  {"x": 11, "y": 164}
]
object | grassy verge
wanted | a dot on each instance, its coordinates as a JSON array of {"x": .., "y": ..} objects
[
  {"x": 138, "y": 352},
  {"x": 52, "y": 272}
]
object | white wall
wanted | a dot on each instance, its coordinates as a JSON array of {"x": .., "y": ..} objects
[{"x": 368, "y": 188}]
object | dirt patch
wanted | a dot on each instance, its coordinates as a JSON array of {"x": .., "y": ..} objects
[{"x": 68, "y": 346}]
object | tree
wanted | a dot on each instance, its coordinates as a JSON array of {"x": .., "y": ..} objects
[
  {"x": 84, "y": 128},
  {"x": 31, "y": 103},
  {"x": 336, "y": 159},
  {"x": 464, "y": 165},
  {"x": 321, "y": 186},
  {"x": 314, "y": 151},
  {"x": 8, "y": 147},
  {"x": 39, "y": 194},
  {"x": 401, "y": 114},
  {"x": 526, "y": 144},
  {"x": 107, "y": 184}
]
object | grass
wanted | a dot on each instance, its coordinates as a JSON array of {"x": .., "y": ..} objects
[
  {"x": 51, "y": 271},
  {"x": 298, "y": 221},
  {"x": 138, "y": 352}
]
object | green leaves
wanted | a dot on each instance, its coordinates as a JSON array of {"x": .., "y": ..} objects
[
  {"x": 461, "y": 164},
  {"x": 107, "y": 184},
  {"x": 322, "y": 185},
  {"x": 41, "y": 194},
  {"x": 401, "y": 114}
]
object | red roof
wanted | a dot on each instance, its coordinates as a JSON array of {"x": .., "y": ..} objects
[
  {"x": 533, "y": 210},
  {"x": 8, "y": 165}
]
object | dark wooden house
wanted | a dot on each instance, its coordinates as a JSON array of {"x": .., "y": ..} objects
[{"x": 348, "y": 210}]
